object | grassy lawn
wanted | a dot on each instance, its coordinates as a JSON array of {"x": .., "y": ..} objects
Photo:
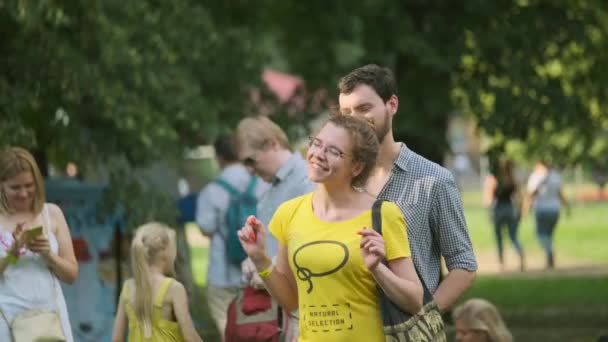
[
  {"x": 537, "y": 306},
  {"x": 547, "y": 306},
  {"x": 581, "y": 236},
  {"x": 551, "y": 308}
]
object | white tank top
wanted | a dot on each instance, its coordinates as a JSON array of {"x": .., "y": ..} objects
[{"x": 29, "y": 283}]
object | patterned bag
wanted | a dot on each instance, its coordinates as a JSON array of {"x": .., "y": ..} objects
[{"x": 425, "y": 326}]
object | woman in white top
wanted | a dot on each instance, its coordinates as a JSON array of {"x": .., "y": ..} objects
[
  {"x": 31, "y": 265},
  {"x": 546, "y": 196}
]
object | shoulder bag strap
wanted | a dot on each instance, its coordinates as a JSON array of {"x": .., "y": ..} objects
[{"x": 377, "y": 225}]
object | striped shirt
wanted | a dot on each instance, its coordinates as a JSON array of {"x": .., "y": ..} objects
[{"x": 430, "y": 201}]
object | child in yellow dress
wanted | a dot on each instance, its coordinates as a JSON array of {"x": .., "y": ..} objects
[{"x": 154, "y": 306}]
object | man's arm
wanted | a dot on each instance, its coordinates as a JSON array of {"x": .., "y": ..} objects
[
  {"x": 449, "y": 226},
  {"x": 452, "y": 287},
  {"x": 208, "y": 203}
]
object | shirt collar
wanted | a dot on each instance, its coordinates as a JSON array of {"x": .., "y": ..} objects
[
  {"x": 405, "y": 155},
  {"x": 287, "y": 167}
]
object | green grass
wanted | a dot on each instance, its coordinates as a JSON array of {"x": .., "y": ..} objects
[
  {"x": 551, "y": 308},
  {"x": 547, "y": 306},
  {"x": 582, "y": 235}
]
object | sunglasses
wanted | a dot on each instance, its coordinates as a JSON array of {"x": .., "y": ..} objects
[{"x": 249, "y": 161}]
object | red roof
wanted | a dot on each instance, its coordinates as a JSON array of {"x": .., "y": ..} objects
[{"x": 283, "y": 85}]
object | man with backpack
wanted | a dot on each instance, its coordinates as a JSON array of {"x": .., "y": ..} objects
[
  {"x": 264, "y": 149},
  {"x": 222, "y": 208}
]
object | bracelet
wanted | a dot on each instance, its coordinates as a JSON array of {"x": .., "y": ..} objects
[{"x": 266, "y": 272}]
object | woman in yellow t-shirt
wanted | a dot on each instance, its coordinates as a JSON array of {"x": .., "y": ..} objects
[{"x": 330, "y": 259}]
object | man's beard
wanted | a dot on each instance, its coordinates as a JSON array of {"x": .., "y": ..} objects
[{"x": 383, "y": 129}]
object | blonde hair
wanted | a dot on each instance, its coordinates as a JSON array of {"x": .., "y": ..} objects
[
  {"x": 256, "y": 132},
  {"x": 149, "y": 243},
  {"x": 14, "y": 161},
  {"x": 479, "y": 314}
]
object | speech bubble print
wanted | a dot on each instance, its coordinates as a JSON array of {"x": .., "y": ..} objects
[{"x": 321, "y": 248}]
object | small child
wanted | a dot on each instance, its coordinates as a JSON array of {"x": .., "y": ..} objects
[
  {"x": 154, "y": 306},
  {"x": 478, "y": 320}
]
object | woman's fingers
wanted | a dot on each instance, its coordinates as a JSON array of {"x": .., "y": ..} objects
[
  {"x": 372, "y": 245},
  {"x": 254, "y": 223},
  {"x": 378, "y": 239},
  {"x": 368, "y": 232},
  {"x": 18, "y": 233},
  {"x": 247, "y": 234},
  {"x": 243, "y": 234}
]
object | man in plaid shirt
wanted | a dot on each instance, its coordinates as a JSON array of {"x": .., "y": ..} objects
[{"x": 426, "y": 192}]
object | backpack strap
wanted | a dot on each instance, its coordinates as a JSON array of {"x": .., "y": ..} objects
[
  {"x": 377, "y": 225},
  {"x": 162, "y": 292},
  {"x": 228, "y": 187},
  {"x": 252, "y": 183}
]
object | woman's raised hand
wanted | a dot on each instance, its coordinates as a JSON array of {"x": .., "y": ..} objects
[{"x": 253, "y": 239}]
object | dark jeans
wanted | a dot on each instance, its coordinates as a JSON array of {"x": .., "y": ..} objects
[
  {"x": 505, "y": 215},
  {"x": 546, "y": 220}
]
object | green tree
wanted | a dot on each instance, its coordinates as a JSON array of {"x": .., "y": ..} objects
[
  {"x": 520, "y": 68},
  {"x": 533, "y": 71},
  {"x": 119, "y": 82}
]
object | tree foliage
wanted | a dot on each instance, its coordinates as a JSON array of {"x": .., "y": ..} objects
[
  {"x": 121, "y": 83},
  {"x": 534, "y": 71},
  {"x": 522, "y": 69},
  {"x": 135, "y": 82},
  {"x": 104, "y": 78}
]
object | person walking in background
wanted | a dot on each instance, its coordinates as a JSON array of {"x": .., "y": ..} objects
[
  {"x": 329, "y": 259},
  {"x": 426, "y": 192},
  {"x": 503, "y": 195},
  {"x": 153, "y": 305},
  {"x": 35, "y": 247},
  {"x": 546, "y": 197},
  {"x": 478, "y": 320},
  {"x": 264, "y": 149},
  {"x": 224, "y": 276}
]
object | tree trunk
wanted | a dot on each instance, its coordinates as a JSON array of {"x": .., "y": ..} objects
[{"x": 42, "y": 161}]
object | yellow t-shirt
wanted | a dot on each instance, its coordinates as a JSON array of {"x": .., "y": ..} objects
[{"x": 338, "y": 297}]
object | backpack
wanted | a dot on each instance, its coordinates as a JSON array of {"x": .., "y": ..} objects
[
  {"x": 242, "y": 204},
  {"x": 253, "y": 316}
]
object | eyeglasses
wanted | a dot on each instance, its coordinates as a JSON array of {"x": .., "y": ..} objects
[
  {"x": 317, "y": 145},
  {"x": 250, "y": 161}
]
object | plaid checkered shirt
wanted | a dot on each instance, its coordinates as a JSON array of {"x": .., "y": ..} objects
[{"x": 430, "y": 201}]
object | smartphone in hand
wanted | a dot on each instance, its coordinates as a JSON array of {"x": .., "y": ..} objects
[{"x": 31, "y": 234}]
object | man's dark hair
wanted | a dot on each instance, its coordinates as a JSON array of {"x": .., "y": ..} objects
[
  {"x": 378, "y": 78},
  {"x": 224, "y": 148}
]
